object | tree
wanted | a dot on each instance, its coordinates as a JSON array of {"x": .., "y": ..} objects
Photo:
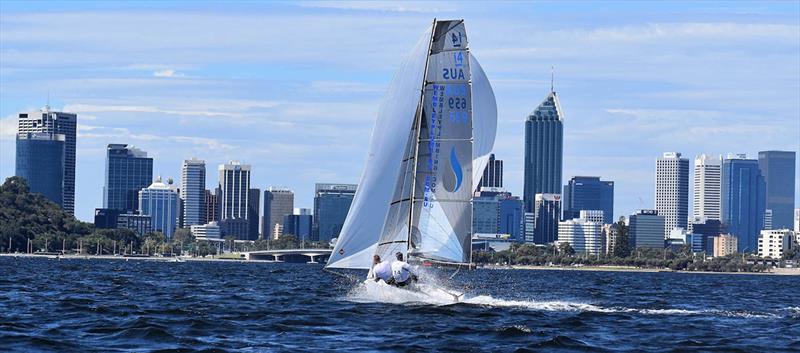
[
  {"x": 566, "y": 248},
  {"x": 622, "y": 246}
]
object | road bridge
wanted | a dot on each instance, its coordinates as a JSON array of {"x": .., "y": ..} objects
[{"x": 313, "y": 255}]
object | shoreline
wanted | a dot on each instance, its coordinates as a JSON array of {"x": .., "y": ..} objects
[
  {"x": 611, "y": 268},
  {"x": 135, "y": 258}
]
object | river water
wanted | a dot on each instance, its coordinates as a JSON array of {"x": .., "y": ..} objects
[{"x": 117, "y": 306}]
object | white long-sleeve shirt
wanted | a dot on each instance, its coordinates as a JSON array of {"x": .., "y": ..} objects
[{"x": 401, "y": 270}]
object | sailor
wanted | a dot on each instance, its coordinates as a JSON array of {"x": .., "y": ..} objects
[
  {"x": 380, "y": 270},
  {"x": 401, "y": 272}
]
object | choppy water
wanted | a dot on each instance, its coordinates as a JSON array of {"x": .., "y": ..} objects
[{"x": 107, "y": 306}]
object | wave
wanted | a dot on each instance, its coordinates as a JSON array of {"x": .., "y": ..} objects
[{"x": 369, "y": 291}]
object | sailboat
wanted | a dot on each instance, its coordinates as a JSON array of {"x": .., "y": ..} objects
[{"x": 431, "y": 142}]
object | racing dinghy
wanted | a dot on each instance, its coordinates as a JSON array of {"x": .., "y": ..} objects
[{"x": 430, "y": 144}]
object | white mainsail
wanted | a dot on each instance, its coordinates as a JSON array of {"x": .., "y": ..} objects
[{"x": 430, "y": 142}]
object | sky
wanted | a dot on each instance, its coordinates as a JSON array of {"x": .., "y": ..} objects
[{"x": 293, "y": 88}]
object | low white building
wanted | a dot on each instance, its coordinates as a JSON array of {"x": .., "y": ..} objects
[
  {"x": 772, "y": 243},
  {"x": 583, "y": 235},
  {"x": 207, "y": 231}
]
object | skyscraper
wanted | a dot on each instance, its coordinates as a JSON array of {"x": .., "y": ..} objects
[
  {"x": 253, "y": 210},
  {"x": 707, "y": 187},
  {"x": 234, "y": 186},
  {"x": 160, "y": 202},
  {"x": 778, "y": 168},
  {"x": 493, "y": 174},
  {"x": 211, "y": 206},
  {"x": 331, "y": 204},
  {"x": 672, "y": 191},
  {"x": 59, "y": 123},
  {"x": 40, "y": 161},
  {"x": 128, "y": 170},
  {"x": 193, "y": 187},
  {"x": 544, "y": 141},
  {"x": 497, "y": 212},
  {"x": 547, "y": 214},
  {"x": 278, "y": 202},
  {"x": 589, "y": 193},
  {"x": 743, "y": 200}
]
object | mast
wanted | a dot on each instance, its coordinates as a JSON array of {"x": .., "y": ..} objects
[{"x": 418, "y": 127}]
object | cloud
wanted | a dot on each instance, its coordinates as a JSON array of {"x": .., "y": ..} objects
[
  {"x": 166, "y": 73},
  {"x": 383, "y": 6},
  {"x": 8, "y": 127}
]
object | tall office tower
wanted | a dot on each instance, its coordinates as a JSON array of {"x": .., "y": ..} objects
[
  {"x": 128, "y": 170},
  {"x": 193, "y": 191},
  {"x": 160, "y": 202},
  {"x": 646, "y": 230},
  {"x": 40, "y": 161},
  {"x": 278, "y": 202},
  {"x": 544, "y": 142},
  {"x": 584, "y": 235},
  {"x": 331, "y": 204},
  {"x": 589, "y": 193},
  {"x": 778, "y": 170},
  {"x": 234, "y": 186},
  {"x": 547, "y": 214},
  {"x": 743, "y": 200},
  {"x": 672, "y": 191},
  {"x": 707, "y": 186},
  {"x": 211, "y": 206},
  {"x": 493, "y": 174},
  {"x": 298, "y": 224},
  {"x": 57, "y": 123},
  {"x": 253, "y": 210}
]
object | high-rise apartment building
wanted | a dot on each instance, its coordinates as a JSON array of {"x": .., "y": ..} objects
[
  {"x": 547, "y": 214},
  {"x": 234, "y": 196},
  {"x": 743, "y": 200},
  {"x": 672, "y": 191},
  {"x": 278, "y": 203},
  {"x": 725, "y": 244},
  {"x": 773, "y": 243},
  {"x": 193, "y": 188},
  {"x": 778, "y": 169},
  {"x": 544, "y": 143},
  {"x": 160, "y": 202},
  {"x": 584, "y": 235},
  {"x": 40, "y": 161},
  {"x": 128, "y": 170},
  {"x": 57, "y": 123},
  {"x": 331, "y": 204},
  {"x": 646, "y": 229},
  {"x": 492, "y": 175},
  {"x": 589, "y": 193},
  {"x": 707, "y": 187}
]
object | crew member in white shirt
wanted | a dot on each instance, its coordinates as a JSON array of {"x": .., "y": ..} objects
[{"x": 402, "y": 274}]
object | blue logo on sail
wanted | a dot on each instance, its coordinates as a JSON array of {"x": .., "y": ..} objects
[{"x": 452, "y": 182}]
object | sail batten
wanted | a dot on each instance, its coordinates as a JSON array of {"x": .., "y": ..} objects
[{"x": 440, "y": 147}]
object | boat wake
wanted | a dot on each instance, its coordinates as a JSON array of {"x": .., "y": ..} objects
[{"x": 369, "y": 292}]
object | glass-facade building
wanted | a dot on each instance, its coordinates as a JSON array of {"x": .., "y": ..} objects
[
  {"x": 298, "y": 224},
  {"x": 253, "y": 213},
  {"x": 498, "y": 213},
  {"x": 547, "y": 214},
  {"x": 193, "y": 187},
  {"x": 646, "y": 230},
  {"x": 56, "y": 123},
  {"x": 128, "y": 171},
  {"x": 40, "y": 161},
  {"x": 743, "y": 201},
  {"x": 589, "y": 193},
  {"x": 778, "y": 169},
  {"x": 492, "y": 175},
  {"x": 160, "y": 202},
  {"x": 544, "y": 143},
  {"x": 331, "y": 204}
]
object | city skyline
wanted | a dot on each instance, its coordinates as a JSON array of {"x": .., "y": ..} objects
[{"x": 621, "y": 114}]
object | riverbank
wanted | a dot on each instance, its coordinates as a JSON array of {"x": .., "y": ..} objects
[
  {"x": 129, "y": 258},
  {"x": 772, "y": 271}
]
